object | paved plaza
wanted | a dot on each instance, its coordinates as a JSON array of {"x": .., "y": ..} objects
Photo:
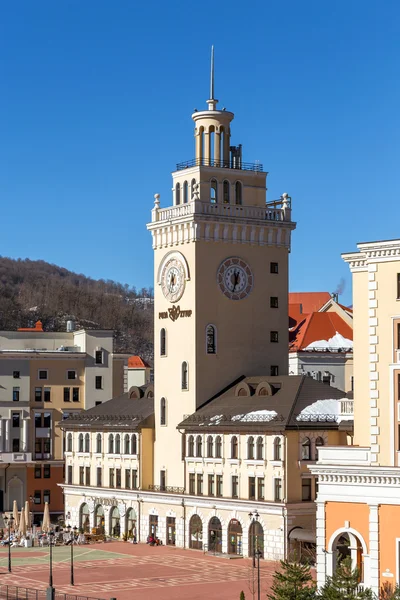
[{"x": 125, "y": 571}]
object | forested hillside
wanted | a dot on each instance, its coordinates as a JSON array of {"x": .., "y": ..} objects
[{"x": 32, "y": 290}]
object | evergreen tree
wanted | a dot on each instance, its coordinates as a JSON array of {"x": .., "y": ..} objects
[
  {"x": 293, "y": 582},
  {"x": 345, "y": 584},
  {"x": 242, "y": 596}
]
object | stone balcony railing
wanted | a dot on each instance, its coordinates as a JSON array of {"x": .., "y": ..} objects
[
  {"x": 279, "y": 211},
  {"x": 346, "y": 408}
]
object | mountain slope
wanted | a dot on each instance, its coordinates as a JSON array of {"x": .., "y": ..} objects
[{"x": 32, "y": 290}]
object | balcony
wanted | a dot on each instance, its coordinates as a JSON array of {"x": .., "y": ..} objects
[
  {"x": 346, "y": 408},
  {"x": 15, "y": 457},
  {"x": 234, "y": 163},
  {"x": 168, "y": 489}
]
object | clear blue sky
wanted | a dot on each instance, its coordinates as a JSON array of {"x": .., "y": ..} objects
[{"x": 95, "y": 106}]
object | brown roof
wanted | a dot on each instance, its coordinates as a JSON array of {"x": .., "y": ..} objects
[{"x": 289, "y": 395}]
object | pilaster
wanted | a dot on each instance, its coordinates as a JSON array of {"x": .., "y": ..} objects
[
  {"x": 321, "y": 551},
  {"x": 374, "y": 547}
]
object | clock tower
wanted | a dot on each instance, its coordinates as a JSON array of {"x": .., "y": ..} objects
[{"x": 221, "y": 282}]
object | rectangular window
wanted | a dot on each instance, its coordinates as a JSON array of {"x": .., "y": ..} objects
[
  {"x": 15, "y": 395},
  {"x": 162, "y": 480},
  {"x": 135, "y": 483},
  {"x": 71, "y": 374},
  {"x": 274, "y": 336},
  {"x": 192, "y": 484},
  {"x": 42, "y": 374},
  {"x": 118, "y": 478},
  {"x": 306, "y": 489},
  {"x": 111, "y": 478},
  {"x": 15, "y": 445},
  {"x": 98, "y": 477},
  {"x": 274, "y": 370},
  {"x": 46, "y": 446},
  {"x": 16, "y": 374},
  {"x": 398, "y": 386},
  {"x": 38, "y": 394},
  {"x": 398, "y": 336},
  {"x": 46, "y": 471},
  {"x": 211, "y": 485},
  {"x": 260, "y": 488},
  {"x": 81, "y": 475},
  {"x": 97, "y": 402},
  {"x": 67, "y": 394},
  {"x": 46, "y": 496},
  {"x": 47, "y": 419},
  {"x": 69, "y": 475},
  {"x": 274, "y": 267},
  {"x": 87, "y": 476},
  {"x": 37, "y": 497},
  {"x": 38, "y": 419},
  {"x": 278, "y": 490},
  {"x": 99, "y": 382},
  {"x": 38, "y": 448},
  {"x": 127, "y": 479},
  {"x": 15, "y": 417},
  {"x": 47, "y": 394},
  {"x": 75, "y": 394},
  {"x": 235, "y": 486},
  {"x": 98, "y": 357},
  {"x": 252, "y": 488},
  {"x": 199, "y": 484},
  {"x": 219, "y": 486},
  {"x": 38, "y": 472},
  {"x": 398, "y": 286},
  {"x": 273, "y": 302}
]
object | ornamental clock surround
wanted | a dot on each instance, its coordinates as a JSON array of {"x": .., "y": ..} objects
[{"x": 235, "y": 278}]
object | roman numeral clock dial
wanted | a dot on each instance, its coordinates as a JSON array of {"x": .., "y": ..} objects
[{"x": 235, "y": 278}]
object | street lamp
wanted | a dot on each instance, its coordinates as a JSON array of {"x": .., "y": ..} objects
[
  {"x": 72, "y": 533},
  {"x": 9, "y": 520},
  {"x": 254, "y": 518},
  {"x": 51, "y": 537},
  {"x": 258, "y": 553}
]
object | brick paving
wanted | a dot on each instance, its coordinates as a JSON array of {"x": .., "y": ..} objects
[{"x": 138, "y": 572}]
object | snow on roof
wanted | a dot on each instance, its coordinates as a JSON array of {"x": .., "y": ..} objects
[
  {"x": 256, "y": 415},
  {"x": 334, "y": 343},
  {"x": 323, "y": 407}
]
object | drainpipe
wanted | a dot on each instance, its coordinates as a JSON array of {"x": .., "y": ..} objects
[
  {"x": 138, "y": 527},
  {"x": 5, "y": 480},
  {"x": 184, "y": 523}
]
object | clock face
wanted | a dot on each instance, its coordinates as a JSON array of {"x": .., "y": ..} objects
[
  {"x": 234, "y": 278},
  {"x": 173, "y": 280}
]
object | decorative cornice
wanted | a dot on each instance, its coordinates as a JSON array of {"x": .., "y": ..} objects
[{"x": 357, "y": 476}]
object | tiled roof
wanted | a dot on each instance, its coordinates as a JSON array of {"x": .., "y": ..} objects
[
  {"x": 318, "y": 326},
  {"x": 137, "y": 362},
  {"x": 310, "y": 301},
  {"x": 38, "y": 327},
  {"x": 277, "y": 411}
]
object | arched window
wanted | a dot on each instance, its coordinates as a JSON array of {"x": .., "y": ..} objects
[
  {"x": 98, "y": 443},
  {"x": 127, "y": 445},
  {"x": 185, "y": 375},
  {"x": 87, "y": 442},
  {"x": 213, "y": 191},
  {"x": 234, "y": 447},
  {"x": 80, "y": 442},
  {"x": 111, "y": 444},
  {"x": 318, "y": 443},
  {"x": 134, "y": 444},
  {"x": 211, "y": 345},
  {"x": 163, "y": 342},
  {"x": 238, "y": 193},
  {"x": 191, "y": 446},
  {"x": 218, "y": 447},
  {"x": 185, "y": 192},
  {"x": 260, "y": 448},
  {"x": 193, "y": 183},
  {"x": 306, "y": 449},
  {"x": 250, "y": 448},
  {"x": 178, "y": 193},
  {"x": 210, "y": 444},
  {"x": 117, "y": 444},
  {"x": 199, "y": 446},
  {"x": 163, "y": 412},
  {"x": 69, "y": 442},
  {"x": 226, "y": 192},
  {"x": 277, "y": 449}
]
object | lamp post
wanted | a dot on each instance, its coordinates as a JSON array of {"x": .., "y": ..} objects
[
  {"x": 258, "y": 553},
  {"x": 72, "y": 534},
  {"x": 51, "y": 537},
  {"x": 9, "y": 520},
  {"x": 254, "y": 518}
]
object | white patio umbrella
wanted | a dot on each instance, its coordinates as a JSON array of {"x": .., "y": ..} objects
[
  {"x": 46, "y": 517},
  {"x": 22, "y": 523},
  {"x": 15, "y": 515},
  {"x": 27, "y": 514}
]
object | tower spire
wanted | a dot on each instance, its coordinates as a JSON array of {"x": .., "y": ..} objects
[{"x": 212, "y": 74}]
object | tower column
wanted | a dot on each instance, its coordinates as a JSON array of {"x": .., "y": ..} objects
[{"x": 198, "y": 148}]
